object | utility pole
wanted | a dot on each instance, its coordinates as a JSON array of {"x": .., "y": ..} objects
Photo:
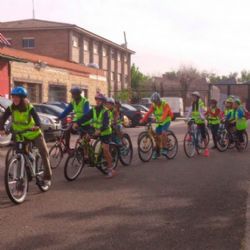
[{"x": 33, "y": 9}]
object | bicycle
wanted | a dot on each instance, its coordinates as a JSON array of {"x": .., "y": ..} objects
[
  {"x": 93, "y": 148},
  {"x": 22, "y": 168},
  {"x": 57, "y": 151},
  {"x": 228, "y": 139},
  {"x": 147, "y": 144},
  {"x": 193, "y": 141},
  {"x": 125, "y": 147}
]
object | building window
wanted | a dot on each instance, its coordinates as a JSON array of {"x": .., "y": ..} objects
[
  {"x": 95, "y": 48},
  {"x": 112, "y": 76},
  {"x": 119, "y": 77},
  {"x": 28, "y": 43},
  {"x": 75, "y": 41},
  {"x": 118, "y": 57},
  {"x": 86, "y": 45},
  {"x": 113, "y": 54},
  {"x": 125, "y": 58},
  {"x": 104, "y": 51}
]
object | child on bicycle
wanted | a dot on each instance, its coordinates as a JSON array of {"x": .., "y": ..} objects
[
  {"x": 100, "y": 121},
  {"x": 213, "y": 115},
  {"x": 163, "y": 115},
  {"x": 80, "y": 106},
  {"x": 240, "y": 120},
  {"x": 26, "y": 120},
  {"x": 197, "y": 113}
]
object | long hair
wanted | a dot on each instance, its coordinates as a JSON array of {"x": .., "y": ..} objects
[
  {"x": 195, "y": 104},
  {"x": 23, "y": 105}
]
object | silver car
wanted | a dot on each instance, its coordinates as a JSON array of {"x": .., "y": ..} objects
[{"x": 49, "y": 124}]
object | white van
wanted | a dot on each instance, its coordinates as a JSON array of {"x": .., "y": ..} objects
[{"x": 176, "y": 104}]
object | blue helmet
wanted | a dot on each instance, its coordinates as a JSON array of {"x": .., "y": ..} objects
[
  {"x": 19, "y": 91},
  {"x": 76, "y": 90}
]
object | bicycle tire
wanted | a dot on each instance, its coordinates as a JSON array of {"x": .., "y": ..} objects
[
  {"x": 10, "y": 153},
  {"x": 150, "y": 149},
  {"x": 124, "y": 162},
  {"x": 78, "y": 158},
  {"x": 188, "y": 141},
  {"x": 58, "y": 153},
  {"x": 7, "y": 174},
  {"x": 168, "y": 155},
  {"x": 101, "y": 163},
  {"x": 238, "y": 146},
  {"x": 222, "y": 146}
]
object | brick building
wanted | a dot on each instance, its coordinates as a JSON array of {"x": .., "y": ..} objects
[
  {"x": 50, "y": 79},
  {"x": 72, "y": 43}
]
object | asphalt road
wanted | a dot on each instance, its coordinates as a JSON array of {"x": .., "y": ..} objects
[{"x": 197, "y": 203}]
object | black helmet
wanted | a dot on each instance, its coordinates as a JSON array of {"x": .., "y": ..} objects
[
  {"x": 76, "y": 90},
  {"x": 155, "y": 97}
]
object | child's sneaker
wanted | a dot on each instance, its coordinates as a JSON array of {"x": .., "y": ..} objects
[
  {"x": 111, "y": 174},
  {"x": 164, "y": 151}
]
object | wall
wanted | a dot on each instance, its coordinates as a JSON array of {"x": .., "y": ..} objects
[
  {"x": 53, "y": 43},
  {"x": 26, "y": 72},
  {"x": 4, "y": 77}
]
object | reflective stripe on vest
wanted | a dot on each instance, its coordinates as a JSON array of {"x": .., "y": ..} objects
[
  {"x": 98, "y": 122},
  {"x": 22, "y": 121},
  {"x": 78, "y": 109},
  {"x": 158, "y": 112}
]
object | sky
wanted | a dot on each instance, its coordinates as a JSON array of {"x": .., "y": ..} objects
[{"x": 211, "y": 35}]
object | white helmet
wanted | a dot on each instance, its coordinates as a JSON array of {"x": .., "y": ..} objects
[
  {"x": 196, "y": 93},
  {"x": 110, "y": 100},
  {"x": 155, "y": 97}
]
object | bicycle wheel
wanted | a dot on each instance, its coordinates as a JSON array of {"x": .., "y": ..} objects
[
  {"x": 172, "y": 145},
  {"x": 101, "y": 163},
  {"x": 222, "y": 141},
  {"x": 55, "y": 156},
  {"x": 126, "y": 150},
  {"x": 40, "y": 175},
  {"x": 189, "y": 145},
  {"x": 145, "y": 147},
  {"x": 10, "y": 153},
  {"x": 16, "y": 183},
  {"x": 74, "y": 165},
  {"x": 242, "y": 147},
  {"x": 232, "y": 142}
]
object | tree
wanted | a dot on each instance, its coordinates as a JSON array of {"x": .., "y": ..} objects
[{"x": 137, "y": 77}]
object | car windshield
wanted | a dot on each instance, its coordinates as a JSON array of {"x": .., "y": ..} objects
[
  {"x": 4, "y": 102},
  {"x": 129, "y": 107}
]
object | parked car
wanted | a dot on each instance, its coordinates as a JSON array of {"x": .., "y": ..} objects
[
  {"x": 61, "y": 105},
  {"x": 48, "y": 109},
  {"x": 143, "y": 109},
  {"x": 132, "y": 114},
  {"x": 50, "y": 126}
]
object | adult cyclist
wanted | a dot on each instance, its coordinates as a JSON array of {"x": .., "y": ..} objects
[
  {"x": 26, "y": 120},
  {"x": 99, "y": 117},
  {"x": 163, "y": 115},
  {"x": 197, "y": 113},
  {"x": 79, "y": 106}
]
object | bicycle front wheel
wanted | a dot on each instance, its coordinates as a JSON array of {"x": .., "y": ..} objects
[
  {"x": 222, "y": 141},
  {"x": 16, "y": 180},
  {"x": 10, "y": 153},
  {"x": 55, "y": 156},
  {"x": 145, "y": 147},
  {"x": 189, "y": 145},
  {"x": 172, "y": 145},
  {"x": 242, "y": 146},
  {"x": 74, "y": 165},
  {"x": 126, "y": 150}
]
